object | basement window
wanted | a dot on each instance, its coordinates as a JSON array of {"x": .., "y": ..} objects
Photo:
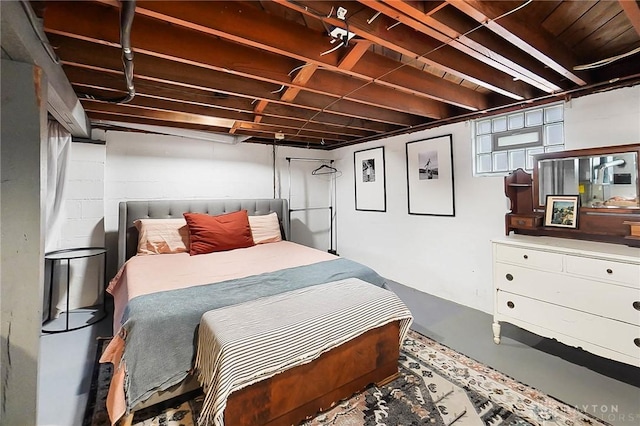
[{"x": 504, "y": 143}]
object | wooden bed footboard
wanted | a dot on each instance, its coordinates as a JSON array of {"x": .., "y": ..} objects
[{"x": 300, "y": 392}]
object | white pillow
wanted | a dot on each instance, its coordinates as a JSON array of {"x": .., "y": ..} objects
[
  {"x": 162, "y": 236},
  {"x": 265, "y": 229}
]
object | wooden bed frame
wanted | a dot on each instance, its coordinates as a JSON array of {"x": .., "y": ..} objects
[
  {"x": 301, "y": 392},
  {"x": 337, "y": 374}
]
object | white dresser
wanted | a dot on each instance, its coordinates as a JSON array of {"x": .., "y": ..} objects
[{"x": 581, "y": 293}]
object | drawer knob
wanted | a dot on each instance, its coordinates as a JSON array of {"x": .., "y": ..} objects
[
  {"x": 525, "y": 257},
  {"x": 637, "y": 341},
  {"x": 609, "y": 271},
  {"x": 512, "y": 305},
  {"x": 509, "y": 277},
  {"x": 521, "y": 222},
  {"x": 636, "y": 305}
]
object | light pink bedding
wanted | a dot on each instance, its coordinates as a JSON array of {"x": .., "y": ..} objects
[
  {"x": 152, "y": 273},
  {"x": 146, "y": 274}
]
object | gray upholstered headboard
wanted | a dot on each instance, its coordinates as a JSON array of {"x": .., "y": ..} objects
[{"x": 166, "y": 209}]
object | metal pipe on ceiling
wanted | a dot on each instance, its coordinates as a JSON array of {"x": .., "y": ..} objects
[{"x": 127, "y": 13}]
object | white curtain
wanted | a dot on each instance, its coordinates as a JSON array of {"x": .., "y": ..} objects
[{"x": 58, "y": 159}]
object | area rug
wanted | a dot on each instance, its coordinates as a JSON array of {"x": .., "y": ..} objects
[{"x": 437, "y": 386}]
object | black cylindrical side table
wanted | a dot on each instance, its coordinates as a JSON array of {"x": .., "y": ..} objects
[{"x": 57, "y": 257}]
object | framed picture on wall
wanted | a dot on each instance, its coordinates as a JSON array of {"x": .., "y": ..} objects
[
  {"x": 430, "y": 176},
  {"x": 370, "y": 180},
  {"x": 562, "y": 211}
]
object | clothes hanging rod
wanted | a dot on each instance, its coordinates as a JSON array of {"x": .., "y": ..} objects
[
  {"x": 311, "y": 208},
  {"x": 309, "y": 159}
]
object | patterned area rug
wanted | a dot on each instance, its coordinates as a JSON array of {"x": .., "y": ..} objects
[{"x": 437, "y": 386}]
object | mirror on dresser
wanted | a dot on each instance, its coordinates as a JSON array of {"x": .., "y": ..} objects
[
  {"x": 607, "y": 180},
  {"x": 607, "y": 183}
]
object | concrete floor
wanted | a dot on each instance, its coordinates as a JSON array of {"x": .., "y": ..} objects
[{"x": 603, "y": 388}]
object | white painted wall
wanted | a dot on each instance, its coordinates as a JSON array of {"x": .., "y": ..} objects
[
  {"x": 604, "y": 119},
  {"x": 450, "y": 257},
  {"x": 144, "y": 166},
  {"x": 82, "y": 226},
  {"x": 445, "y": 256}
]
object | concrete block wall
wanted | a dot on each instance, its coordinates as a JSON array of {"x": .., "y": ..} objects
[{"x": 83, "y": 225}]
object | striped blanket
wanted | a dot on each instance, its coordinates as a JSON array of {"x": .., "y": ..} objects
[
  {"x": 243, "y": 344},
  {"x": 172, "y": 316}
]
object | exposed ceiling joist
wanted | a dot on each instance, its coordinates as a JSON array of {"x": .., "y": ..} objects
[
  {"x": 632, "y": 9},
  {"x": 294, "y": 68},
  {"x": 534, "y": 41}
]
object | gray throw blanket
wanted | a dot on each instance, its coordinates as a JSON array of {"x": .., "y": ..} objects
[{"x": 161, "y": 328}]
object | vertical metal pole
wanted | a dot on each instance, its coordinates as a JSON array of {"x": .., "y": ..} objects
[
  {"x": 289, "y": 172},
  {"x": 331, "y": 228},
  {"x": 104, "y": 280},
  {"x": 68, "y": 278},
  {"x": 53, "y": 264},
  {"x": 274, "y": 170},
  {"x": 289, "y": 197}
]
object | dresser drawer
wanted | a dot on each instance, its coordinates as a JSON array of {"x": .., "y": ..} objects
[
  {"x": 600, "y": 269},
  {"x": 524, "y": 222},
  {"x": 595, "y": 297},
  {"x": 606, "y": 333},
  {"x": 528, "y": 257}
]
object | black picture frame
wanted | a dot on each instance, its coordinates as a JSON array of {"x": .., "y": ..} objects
[
  {"x": 430, "y": 185},
  {"x": 370, "y": 180}
]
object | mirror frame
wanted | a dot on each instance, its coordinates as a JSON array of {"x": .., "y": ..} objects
[
  {"x": 595, "y": 223},
  {"x": 588, "y": 152}
]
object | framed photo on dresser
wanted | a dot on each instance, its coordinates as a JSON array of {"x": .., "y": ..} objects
[{"x": 562, "y": 211}]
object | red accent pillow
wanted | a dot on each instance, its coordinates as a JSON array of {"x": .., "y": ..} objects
[{"x": 218, "y": 233}]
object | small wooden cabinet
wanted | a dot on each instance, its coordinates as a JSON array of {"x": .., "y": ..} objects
[
  {"x": 518, "y": 187},
  {"x": 581, "y": 293}
]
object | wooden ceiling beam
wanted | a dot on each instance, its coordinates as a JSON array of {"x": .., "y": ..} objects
[
  {"x": 286, "y": 127},
  {"x": 244, "y": 23},
  {"x": 98, "y": 118},
  {"x": 301, "y": 78},
  {"x": 177, "y": 117},
  {"x": 424, "y": 49},
  {"x": 632, "y": 9},
  {"x": 283, "y": 111},
  {"x": 240, "y": 119},
  {"x": 94, "y": 82},
  {"x": 107, "y": 121},
  {"x": 183, "y": 102},
  {"x": 317, "y": 127},
  {"x": 492, "y": 54},
  {"x": 158, "y": 114},
  {"x": 288, "y": 135},
  {"x": 534, "y": 41},
  {"x": 142, "y": 100},
  {"x": 85, "y": 78},
  {"x": 260, "y": 106},
  {"x": 191, "y": 47},
  {"x": 354, "y": 54},
  {"x": 90, "y": 55}
]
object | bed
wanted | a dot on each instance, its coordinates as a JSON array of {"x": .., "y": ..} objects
[{"x": 160, "y": 298}]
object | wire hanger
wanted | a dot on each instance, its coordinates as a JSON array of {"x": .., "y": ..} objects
[{"x": 324, "y": 170}]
